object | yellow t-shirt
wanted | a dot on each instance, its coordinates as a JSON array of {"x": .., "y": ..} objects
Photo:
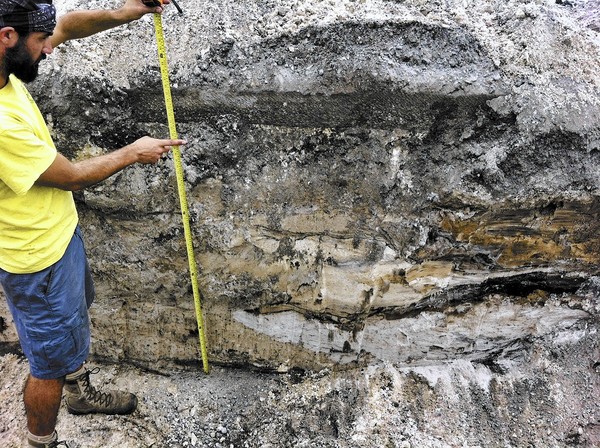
[{"x": 36, "y": 222}]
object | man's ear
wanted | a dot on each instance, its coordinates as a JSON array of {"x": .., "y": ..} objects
[{"x": 8, "y": 37}]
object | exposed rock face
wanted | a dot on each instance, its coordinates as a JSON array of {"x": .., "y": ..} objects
[
  {"x": 381, "y": 181},
  {"x": 409, "y": 182}
]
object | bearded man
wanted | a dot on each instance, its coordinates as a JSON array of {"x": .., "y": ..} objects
[{"x": 43, "y": 267}]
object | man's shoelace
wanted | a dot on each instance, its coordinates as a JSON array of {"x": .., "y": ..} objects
[{"x": 93, "y": 395}]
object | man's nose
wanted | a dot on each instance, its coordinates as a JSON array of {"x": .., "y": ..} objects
[{"x": 48, "y": 48}]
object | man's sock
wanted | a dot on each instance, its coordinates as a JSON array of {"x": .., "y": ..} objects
[
  {"x": 72, "y": 376},
  {"x": 42, "y": 439}
]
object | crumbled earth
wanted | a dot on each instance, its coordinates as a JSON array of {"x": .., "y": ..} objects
[{"x": 548, "y": 399}]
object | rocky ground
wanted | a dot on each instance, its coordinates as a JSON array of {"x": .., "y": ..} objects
[{"x": 549, "y": 399}]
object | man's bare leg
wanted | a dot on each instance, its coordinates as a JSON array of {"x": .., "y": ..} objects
[{"x": 42, "y": 400}]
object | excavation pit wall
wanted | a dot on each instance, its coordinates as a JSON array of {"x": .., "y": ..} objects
[{"x": 396, "y": 183}]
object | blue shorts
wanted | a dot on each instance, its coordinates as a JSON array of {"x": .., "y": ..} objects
[{"x": 50, "y": 310}]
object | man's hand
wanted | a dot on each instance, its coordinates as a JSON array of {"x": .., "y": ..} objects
[
  {"x": 150, "y": 150},
  {"x": 135, "y": 9}
]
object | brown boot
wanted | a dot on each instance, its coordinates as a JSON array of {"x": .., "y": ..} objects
[{"x": 82, "y": 398}]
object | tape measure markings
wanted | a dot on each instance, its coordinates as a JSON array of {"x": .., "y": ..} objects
[{"x": 164, "y": 74}]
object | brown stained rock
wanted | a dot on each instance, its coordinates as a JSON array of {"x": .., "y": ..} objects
[{"x": 522, "y": 237}]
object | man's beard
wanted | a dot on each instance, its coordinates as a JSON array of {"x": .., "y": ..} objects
[{"x": 18, "y": 61}]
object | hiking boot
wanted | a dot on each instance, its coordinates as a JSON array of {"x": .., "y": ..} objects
[
  {"x": 54, "y": 444},
  {"x": 82, "y": 398}
]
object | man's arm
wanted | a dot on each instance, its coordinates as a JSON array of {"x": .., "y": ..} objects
[
  {"x": 67, "y": 175},
  {"x": 80, "y": 24}
]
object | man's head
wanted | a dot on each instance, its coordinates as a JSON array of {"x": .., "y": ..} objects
[
  {"x": 26, "y": 16},
  {"x": 33, "y": 21}
]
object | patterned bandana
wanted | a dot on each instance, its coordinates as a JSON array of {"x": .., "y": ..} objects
[{"x": 28, "y": 14}]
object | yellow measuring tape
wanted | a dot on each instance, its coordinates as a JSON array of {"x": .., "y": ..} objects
[{"x": 185, "y": 214}]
